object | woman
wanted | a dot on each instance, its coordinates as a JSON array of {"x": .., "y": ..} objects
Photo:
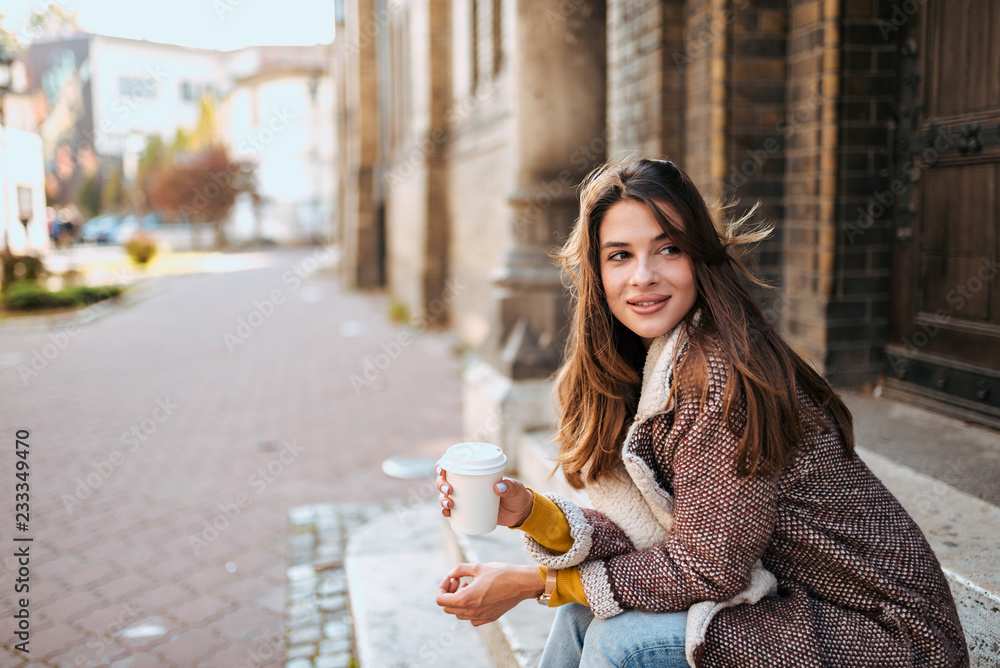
[{"x": 733, "y": 525}]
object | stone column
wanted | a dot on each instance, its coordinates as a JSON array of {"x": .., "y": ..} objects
[
  {"x": 559, "y": 90},
  {"x": 363, "y": 226}
]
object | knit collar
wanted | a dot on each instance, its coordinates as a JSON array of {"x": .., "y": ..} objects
[{"x": 658, "y": 373}]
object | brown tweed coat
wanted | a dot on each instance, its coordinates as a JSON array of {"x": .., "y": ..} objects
[{"x": 858, "y": 585}]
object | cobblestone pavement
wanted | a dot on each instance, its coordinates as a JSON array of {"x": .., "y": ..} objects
[
  {"x": 318, "y": 625},
  {"x": 169, "y": 440}
]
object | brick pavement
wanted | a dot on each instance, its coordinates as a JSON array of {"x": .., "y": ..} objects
[{"x": 163, "y": 465}]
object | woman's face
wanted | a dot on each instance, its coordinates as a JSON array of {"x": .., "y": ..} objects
[{"x": 649, "y": 283}]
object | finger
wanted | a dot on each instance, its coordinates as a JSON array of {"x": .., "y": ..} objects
[
  {"x": 448, "y": 585},
  {"x": 464, "y": 570},
  {"x": 442, "y": 482},
  {"x": 446, "y": 503},
  {"x": 508, "y": 487}
]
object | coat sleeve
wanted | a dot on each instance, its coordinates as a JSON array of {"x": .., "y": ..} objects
[
  {"x": 722, "y": 522},
  {"x": 591, "y": 534}
]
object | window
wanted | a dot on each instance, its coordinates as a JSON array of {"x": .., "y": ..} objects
[{"x": 139, "y": 89}]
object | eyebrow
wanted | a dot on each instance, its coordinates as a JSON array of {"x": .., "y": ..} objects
[{"x": 625, "y": 244}]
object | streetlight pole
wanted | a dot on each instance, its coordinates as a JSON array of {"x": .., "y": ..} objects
[{"x": 5, "y": 81}]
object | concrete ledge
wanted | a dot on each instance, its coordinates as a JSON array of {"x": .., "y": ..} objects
[
  {"x": 517, "y": 639},
  {"x": 964, "y": 532},
  {"x": 394, "y": 564}
]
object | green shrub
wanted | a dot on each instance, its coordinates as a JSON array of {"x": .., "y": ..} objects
[
  {"x": 18, "y": 268},
  {"x": 141, "y": 248},
  {"x": 30, "y": 296}
]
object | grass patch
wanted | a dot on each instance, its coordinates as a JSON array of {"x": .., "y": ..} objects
[{"x": 30, "y": 296}]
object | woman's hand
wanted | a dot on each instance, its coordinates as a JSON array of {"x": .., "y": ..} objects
[
  {"x": 495, "y": 589},
  {"x": 515, "y": 500}
]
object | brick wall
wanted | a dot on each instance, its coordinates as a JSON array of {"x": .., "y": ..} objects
[
  {"x": 858, "y": 312},
  {"x": 809, "y": 241},
  {"x": 645, "y": 84},
  {"x": 755, "y": 171},
  {"x": 705, "y": 90}
]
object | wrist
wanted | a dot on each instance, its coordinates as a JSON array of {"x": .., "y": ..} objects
[
  {"x": 527, "y": 513},
  {"x": 534, "y": 585}
]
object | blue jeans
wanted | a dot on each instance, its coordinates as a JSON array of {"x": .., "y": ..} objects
[{"x": 633, "y": 639}]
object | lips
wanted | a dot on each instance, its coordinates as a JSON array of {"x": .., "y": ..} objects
[{"x": 646, "y": 304}]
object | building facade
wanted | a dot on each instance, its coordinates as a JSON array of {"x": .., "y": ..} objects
[
  {"x": 866, "y": 130},
  {"x": 98, "y": 100}
]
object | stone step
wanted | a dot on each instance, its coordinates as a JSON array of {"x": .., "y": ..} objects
[
  {"x": 964, "y": 532},
  {"x": 517, "y": 639},
  {"x": 394, "y": 564}
]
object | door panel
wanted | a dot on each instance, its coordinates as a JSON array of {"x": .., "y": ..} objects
[{"x": 944, "y": 348}]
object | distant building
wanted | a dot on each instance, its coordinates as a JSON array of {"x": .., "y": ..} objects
[
  {"x": 97, "y": 99},
  {"x": 23, "y": 228},
  {"x": 279, "y": 112}
]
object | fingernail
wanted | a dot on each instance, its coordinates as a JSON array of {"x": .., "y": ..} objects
[
  {"x": 502, "y": 487},
  {"x": 438, "y": 469},
  {"x": 445, "y": 489}
]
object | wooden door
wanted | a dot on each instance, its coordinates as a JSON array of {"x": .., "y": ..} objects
[{"x": 944, "y": 342}]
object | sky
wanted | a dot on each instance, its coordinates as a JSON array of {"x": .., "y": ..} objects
[{"x": 206, "y": 24}]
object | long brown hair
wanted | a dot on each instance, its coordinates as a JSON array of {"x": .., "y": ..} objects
[{"x": 598, "y": 385}]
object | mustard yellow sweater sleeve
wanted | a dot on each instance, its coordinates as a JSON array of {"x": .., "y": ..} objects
[{"x": 549, "y": 527}]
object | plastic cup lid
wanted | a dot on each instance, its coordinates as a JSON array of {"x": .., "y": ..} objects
[{"x": 473, "y": 458}]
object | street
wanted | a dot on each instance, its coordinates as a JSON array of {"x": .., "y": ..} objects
[{"x": 166, "y": 439}]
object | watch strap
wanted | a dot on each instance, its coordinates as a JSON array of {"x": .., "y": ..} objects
[{"x": 550, "y": 585}]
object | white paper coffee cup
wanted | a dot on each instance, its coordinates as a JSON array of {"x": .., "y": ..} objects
[{"x": 473, "y": 469}]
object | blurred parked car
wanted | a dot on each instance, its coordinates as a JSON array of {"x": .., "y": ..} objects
[
  {"x": 101, "y": 230},
  {"x": 131, "y": 224}
]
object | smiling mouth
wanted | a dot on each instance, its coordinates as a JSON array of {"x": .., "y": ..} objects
[{"x": 649, "y": 302}]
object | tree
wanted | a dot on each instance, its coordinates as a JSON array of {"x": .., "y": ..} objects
[
  {"x": 89, "y": 196},
  {"x": 113, "y": 191},
  {"x": 203, "y": 188},
  {"x": 206, "y": 132}
]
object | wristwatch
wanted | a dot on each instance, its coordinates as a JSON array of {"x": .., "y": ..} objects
[{"x": 550, "y": 586}]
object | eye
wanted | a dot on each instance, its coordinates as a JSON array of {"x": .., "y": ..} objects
[
  {"x": 618, "y": 256},
  {"x": 671, "y": 250}
]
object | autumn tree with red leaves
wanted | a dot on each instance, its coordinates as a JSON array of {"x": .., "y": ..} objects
[{"x": 202, "y": 188}]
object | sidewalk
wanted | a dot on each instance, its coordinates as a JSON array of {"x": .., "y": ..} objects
[{"x": 170, "y": 438}]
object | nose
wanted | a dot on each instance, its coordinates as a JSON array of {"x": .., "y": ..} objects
[{"x": 644, "y": 273}]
